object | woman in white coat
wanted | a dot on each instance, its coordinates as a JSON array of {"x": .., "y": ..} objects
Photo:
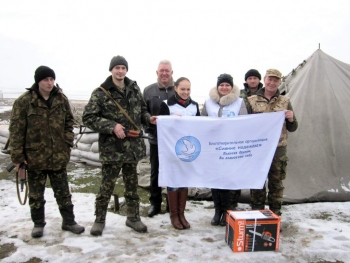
[{"x": 223, "y": 102}]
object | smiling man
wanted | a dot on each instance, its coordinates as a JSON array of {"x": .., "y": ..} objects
[
  {"x": 268, "y": 99},
  {"x": 154, "y": 94},
  {"x": 114, "y": 107}
]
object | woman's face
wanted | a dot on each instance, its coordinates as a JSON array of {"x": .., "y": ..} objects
[
  {"x": 183, "y": 89},
  {"x": 224, "y": 89}
]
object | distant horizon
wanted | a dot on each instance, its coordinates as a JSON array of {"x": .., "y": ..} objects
[{"x": 9, "y": 93}]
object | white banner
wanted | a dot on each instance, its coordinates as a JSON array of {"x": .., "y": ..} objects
[{"x": 223, "y": 153}]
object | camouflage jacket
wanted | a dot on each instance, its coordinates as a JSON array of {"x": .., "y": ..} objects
[
  {"x": 245, "y": 93},
  {"x": 260, "y": 104},
  {"x": 101, "y": 115},
  {"x": 40, "y": 134}
]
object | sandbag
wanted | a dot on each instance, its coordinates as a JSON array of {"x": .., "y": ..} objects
[
  {"x": 85, "y": 147},
  {"x": 3, "y": 139},
  {"x": 75, "y": 152},
  {"x": 95, "y": 157},
  {"x": 4, "y": 132},
  {"x": 88, "y": 138},
  {"x": 91, "y": 163},
  {"x": 94, "y": 147}
]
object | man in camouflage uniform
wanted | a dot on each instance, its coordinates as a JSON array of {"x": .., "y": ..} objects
[
  {"x": 268, "y": 99},
  {"x": 154, "y": 95},
  {"x": 117, "y": 151},
  {"x": 252, "y": 84},
  {"x": 41, "y": 136}
]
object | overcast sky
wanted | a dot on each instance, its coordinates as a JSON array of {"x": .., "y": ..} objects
[{"x": 201, "y": 38}]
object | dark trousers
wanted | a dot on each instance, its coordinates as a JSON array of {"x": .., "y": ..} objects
[
  {"x": 60, "y": 187},
  {"x": 155, "y": 190}
]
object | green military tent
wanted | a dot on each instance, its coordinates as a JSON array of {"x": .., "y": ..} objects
[{"x": 319, "y": 151}]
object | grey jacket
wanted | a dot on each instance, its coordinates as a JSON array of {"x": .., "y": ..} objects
[{"x": 154, "y": 95}]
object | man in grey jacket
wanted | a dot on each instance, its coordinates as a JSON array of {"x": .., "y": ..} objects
[{"x": 154, "y": 94}]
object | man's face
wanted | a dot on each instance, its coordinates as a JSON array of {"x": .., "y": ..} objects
[
  {"x": 272, "y": 84},
  {"x": 164, "y": 74},
  {"x": 119, "y": 72},
  {"x": 253, "y": 82},
  {"x": 46, "y": 85}
]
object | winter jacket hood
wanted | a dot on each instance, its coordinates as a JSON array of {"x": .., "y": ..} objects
[{"x": 227, "y": 99}]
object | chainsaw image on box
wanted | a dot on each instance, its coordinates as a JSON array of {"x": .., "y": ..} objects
[{"x": 264, "y": 235}]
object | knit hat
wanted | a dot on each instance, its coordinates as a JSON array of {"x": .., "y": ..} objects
[
  {"x": 43, "y": 72},
  {"x": 225, "y": 78},
  {"x": 118, "y": 60},
  {"x": 252, "y": 72}
]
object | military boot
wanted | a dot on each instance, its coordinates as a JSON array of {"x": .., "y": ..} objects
[
  {"x": 38, "y": 231},
  {"x": 258, "y": 198},
  {"x": 68, "y": 223},
  {"x": 76, "y": 229},
  {"x": 134, "y": 221},
  {"x": 97, "y": 229},
  {"x": 38, "y": 217},
  {"x": 218, "y": 213},
  {"x": 235, "y": 195},
  {"x": 276, "y": 207},
  {"x": 100, "y": 221}
]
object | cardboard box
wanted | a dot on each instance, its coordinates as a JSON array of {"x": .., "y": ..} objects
[{"x": 256, "y": 230}]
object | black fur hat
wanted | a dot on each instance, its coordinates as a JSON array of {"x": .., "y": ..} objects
[{"x": 225, "y": 78}]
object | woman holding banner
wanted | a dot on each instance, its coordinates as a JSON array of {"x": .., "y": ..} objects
[
  {"x": 223, "y": 102},
  {"x": 179, "y": 104}
]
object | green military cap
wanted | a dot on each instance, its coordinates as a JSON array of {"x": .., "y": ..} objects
[{"x": 273, "y": 73}]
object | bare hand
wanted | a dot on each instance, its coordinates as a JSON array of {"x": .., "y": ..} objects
[
  {"x": 153, "y": 120},
  {"x": 119, "y": 131},
  {"x": 289, "y": 115},
  {"x": 18, "y": 164}
]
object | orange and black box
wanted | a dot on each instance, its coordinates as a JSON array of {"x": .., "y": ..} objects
[{"x": 249, "y": 231}]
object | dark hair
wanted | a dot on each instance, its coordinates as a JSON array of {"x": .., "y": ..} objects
[{"x": 177, "y": 83}]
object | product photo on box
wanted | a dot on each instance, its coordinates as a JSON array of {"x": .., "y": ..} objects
[{"x": 249, "y": 231}]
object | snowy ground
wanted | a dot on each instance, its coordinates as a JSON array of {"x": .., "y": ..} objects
[{"x": 318, "y": 232}]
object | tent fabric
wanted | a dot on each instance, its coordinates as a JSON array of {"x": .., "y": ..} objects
[{"x": 319, "y": 150}]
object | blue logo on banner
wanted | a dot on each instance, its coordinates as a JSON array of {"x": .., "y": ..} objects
[{"x": 188, "y": 148}]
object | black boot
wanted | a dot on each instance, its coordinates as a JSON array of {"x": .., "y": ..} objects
[
  {"x": 223, "y": 218},
  {"x": 68, "y": 223},
  {"x": 154, "y": 210},
  {"x": 218, "y": 213},
  {"x": 99, "y": 224},
  {"x": 133, "y": 219},
  {"x": 38, "y": 217},
  {"x": 225, "y": 199}
]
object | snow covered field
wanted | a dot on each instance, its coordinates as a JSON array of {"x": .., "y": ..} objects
[{"x": 317, "y": 232}]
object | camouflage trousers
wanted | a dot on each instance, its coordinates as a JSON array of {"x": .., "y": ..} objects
[
  {"x": 235, "y": 195},
  {"x": 59, "y": 183},
  {"x": 110, "y": 173},
  {"x": 276, "y": 175}
]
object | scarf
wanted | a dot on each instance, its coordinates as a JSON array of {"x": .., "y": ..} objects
[{"x": 181, "y": 101}]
